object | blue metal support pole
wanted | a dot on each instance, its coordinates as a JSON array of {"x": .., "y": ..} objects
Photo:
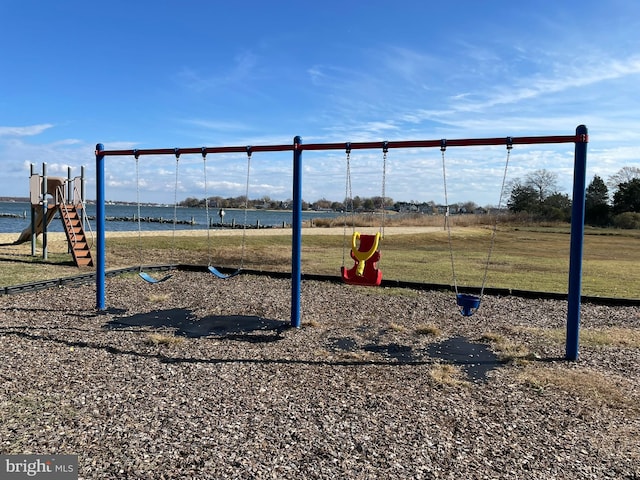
[
  {"x": 45, "y": 252},
  {"x": 100, "y": 229},
  {"x": 296, "y": 237},
  {"x": 33, "y": 213},
  {"x": 577, "y": 237}
]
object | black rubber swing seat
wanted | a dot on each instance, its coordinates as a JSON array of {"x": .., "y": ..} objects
[
  {"x": 149, "y": 279},
  {"x": 219, "y": 274}
]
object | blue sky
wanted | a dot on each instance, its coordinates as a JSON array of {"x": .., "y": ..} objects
[{"x": 186, "y": 73}]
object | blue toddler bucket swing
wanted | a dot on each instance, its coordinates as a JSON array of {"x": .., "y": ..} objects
[{"x": 469, "y": 304}]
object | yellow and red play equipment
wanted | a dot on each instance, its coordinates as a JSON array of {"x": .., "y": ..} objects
[{"x": 365, "y": 253}]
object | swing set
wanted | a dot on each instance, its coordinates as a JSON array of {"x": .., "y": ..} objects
[
  {"x": 213, "y": 270},
  {"x": 469, "y": 304},
  {"x": 367, "y": 250},
  {"x": 146, "y": 276}
]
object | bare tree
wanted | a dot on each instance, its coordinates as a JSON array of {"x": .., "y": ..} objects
[
  {"x": 544, "y": 182},
  {"x": 624, "y": 175}
]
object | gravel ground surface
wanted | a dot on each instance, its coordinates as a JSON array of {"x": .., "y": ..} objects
[{"x": 199, "y": 378}]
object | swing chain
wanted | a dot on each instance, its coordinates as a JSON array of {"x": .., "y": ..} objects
[
  {"x": 175, "y": 206},
  {"x": 136, "y": 155},
  {"x": 206, "y": 202},
  {"x": 246, "y": 207},
  {"x": 509, "y": 143},
  {"x": 348, "y": 191},
  {"x": 385, "y": 149},
  {"x": 447, "y": 223},
  {"x": 348, "y": 203},
  {"x": 207, "y": 209},
  {"x": 140, "y": 257}
]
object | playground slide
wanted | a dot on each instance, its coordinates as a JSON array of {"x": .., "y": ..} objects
[{"x": 25, "y": 236}]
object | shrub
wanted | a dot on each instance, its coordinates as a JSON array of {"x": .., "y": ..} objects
[{"x": 627, "y": 220}]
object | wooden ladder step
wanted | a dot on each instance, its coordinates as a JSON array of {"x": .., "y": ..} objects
[
  {"x": 76, "y": 237},
  {"x": 84, "y": 262}
]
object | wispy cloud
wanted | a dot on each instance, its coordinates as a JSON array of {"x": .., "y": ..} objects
[
  {"x": 408, "y": 65},
  {"x": 497, "y": 70},
  {"x": 316, "y": 74},
  {"x": 217, "y": 125},
  {"x": 26, "y": 131},
  {"x": 240, "y": 69},
  {"x": 561, "y": 78},
  {"x": 552, "y": 94}
]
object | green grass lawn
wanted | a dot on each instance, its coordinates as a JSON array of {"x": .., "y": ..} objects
[{"x": 522, "y": 258}]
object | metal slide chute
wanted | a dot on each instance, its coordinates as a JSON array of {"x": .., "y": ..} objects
[{"x": 26, "y": 234}]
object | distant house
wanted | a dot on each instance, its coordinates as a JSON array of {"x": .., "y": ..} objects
[
  {"x": 406, "y": 207},
  {"x": 441, "y": 209}
]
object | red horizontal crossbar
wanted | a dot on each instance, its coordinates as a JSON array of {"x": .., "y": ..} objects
[{"x": 465, "y": 142}]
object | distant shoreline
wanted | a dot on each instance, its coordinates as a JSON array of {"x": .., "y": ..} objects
[{"x": 6, "y": 238}]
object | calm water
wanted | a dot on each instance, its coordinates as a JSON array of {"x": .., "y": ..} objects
[{"x": 198, "y": 215}]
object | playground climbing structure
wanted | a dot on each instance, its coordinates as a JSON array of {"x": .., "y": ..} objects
[{"x": 53, "y": 197}]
